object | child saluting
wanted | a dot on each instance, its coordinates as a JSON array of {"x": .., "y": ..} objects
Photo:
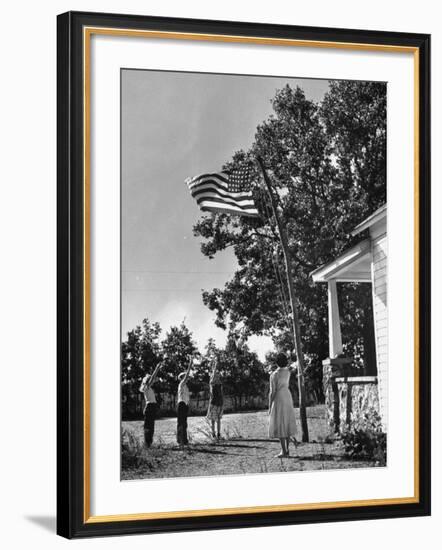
[
  {"x": 183, "y": 400},
  {"x": 150, "y": 407},
  {"x": 216, "y": 400}
]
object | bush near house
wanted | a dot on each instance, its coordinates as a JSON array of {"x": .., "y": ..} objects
[{"x": 366, "y": 439}]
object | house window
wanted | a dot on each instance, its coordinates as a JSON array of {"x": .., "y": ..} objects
[{"x": 357, "y": 326}]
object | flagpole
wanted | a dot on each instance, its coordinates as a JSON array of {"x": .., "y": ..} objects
[{"x": 295, "y": 318}]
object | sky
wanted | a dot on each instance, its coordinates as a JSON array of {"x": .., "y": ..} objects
[{"x": 176, "y": 125}]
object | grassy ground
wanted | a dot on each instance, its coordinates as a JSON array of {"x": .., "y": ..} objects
[{"x": 244, "y": 448}]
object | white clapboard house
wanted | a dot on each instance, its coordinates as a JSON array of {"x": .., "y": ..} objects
[{"x": 347, "y": 393}]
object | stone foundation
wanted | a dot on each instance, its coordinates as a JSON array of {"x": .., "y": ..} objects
[
  {"x": 357, "y": 394},
  {"x": 332, "y": 369},
  {"x": 347, "y": 396}
]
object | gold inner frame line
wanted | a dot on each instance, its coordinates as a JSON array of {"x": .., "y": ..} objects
[{"x": 87, "y": 34}]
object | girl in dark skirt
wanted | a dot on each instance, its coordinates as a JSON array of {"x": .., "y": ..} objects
[{"x": 216, "y": 401}]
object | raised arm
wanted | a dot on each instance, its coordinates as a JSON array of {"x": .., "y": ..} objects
[
  {"x": 186, "y": 376},
  {"x": 143, "y": 383},
  {"x": 293, "y": 360},
  {"x": 271, "y": 391},
  {"x": 293, "y": 367},
  {"x": 214, "y": 368},
  {"x": 155, "y": 373}
]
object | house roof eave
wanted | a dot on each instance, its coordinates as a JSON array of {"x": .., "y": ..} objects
[
  {"x": 377, "y": 215},
  {"x": 343, "y": 263}
]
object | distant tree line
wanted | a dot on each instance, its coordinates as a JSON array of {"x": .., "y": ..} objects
[{"x": 243, "y": 374}]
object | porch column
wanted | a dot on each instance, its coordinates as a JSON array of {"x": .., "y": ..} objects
[{"x": 334, "y": 323}]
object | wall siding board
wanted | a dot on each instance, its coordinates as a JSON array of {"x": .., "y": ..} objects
[{"x": 380, "y": 314}]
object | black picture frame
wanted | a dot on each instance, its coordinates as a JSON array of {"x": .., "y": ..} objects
[{"x": 72, "y": 520}]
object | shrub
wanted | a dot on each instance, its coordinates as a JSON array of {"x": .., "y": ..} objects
[
  {"x": 132, "y": 450},
  {"x": 365, "y": 438}
]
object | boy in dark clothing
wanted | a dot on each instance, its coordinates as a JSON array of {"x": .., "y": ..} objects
[
  {"x": 150, "y": 407},
  {"x": 183, "y": 400}
]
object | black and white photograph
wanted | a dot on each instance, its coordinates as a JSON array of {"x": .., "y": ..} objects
[
  {"x": 254, "y": 261},
  {"x": 219, "y": 233}
]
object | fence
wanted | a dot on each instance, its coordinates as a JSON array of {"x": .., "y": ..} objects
[{"x": 133, "y": 402}]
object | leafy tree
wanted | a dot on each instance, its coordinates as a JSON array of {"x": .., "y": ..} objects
[
  {"x": 327, "y": 165},
  {"x": 141, "y": 352},
  {"x": 355, "y": 117},
  {"x": 243, "y": 373},
  {"x": 177, "y": 347},
  {"x": 202, "y": 369}
]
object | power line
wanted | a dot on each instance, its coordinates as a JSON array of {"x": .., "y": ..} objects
[
  {"x": 177, "y": 272},
  {"x": 162, "y": 289}
]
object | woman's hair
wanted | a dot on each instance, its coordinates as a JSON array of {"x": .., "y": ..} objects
[{"x": 281, "y": 360}]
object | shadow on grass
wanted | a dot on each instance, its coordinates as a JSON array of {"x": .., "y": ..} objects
[
  {"x": 210, "y": 445},
  {"x": 196, "y": 449},
  {"x": 227, "y": 444},
  {"x": 312, "y": 458},
  {"x": 326, "y": 458},
  {"x": 210, "y": 451},
  {"x": 255, "y": 440}
]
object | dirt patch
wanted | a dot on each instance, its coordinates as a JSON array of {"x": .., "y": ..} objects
[{"x": 243, "y": 449}]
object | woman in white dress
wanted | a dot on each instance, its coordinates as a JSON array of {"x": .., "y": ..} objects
[{"x": 282, "y": 421}]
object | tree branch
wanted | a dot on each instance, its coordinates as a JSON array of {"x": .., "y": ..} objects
[{"x": 271, "y": 237}]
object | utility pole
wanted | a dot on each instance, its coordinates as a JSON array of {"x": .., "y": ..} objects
[{"x": 295, "y": 318}]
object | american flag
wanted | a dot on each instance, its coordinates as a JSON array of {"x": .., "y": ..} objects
[{"x": 227, "y": 192}]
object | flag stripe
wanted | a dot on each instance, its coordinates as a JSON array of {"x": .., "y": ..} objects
[
  {"x": 214, "y": 198},
  {"x": 220, "y": 176},
  {"x": 215, "y": 192},
  {"x": 217, "y": 207}
]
